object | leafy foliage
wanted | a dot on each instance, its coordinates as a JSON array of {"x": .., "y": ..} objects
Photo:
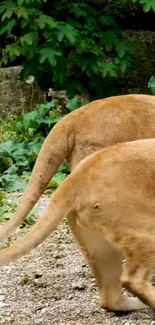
[
  {"x": 74, "y": 44},
  {"x": 27, "y": 133},
  {"x": 146, "y": 4},
  {"x": 151, "y": 84},
  {"x": 7, "y": 207}
]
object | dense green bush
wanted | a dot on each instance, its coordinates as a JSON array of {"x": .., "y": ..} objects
[{"x": 65, "y": 44}]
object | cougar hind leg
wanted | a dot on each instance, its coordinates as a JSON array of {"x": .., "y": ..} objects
[
  {"x": 106, "y": 264},
  {"x": 137, "y": 276}
]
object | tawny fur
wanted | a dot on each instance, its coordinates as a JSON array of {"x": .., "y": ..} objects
[
  {"x": 111, "y": 197},
  {"x": 87, "y": 130},
  {"x": 90, "y": 128}
]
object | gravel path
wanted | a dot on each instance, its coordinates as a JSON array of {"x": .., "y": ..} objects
[{"x": 62, "y": 290}]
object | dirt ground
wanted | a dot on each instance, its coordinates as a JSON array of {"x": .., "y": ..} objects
[{"x": 62, "y": 290}]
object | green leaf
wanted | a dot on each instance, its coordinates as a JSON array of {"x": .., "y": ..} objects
[
  {"x": 29, "y": 38},
  {"x": 56, "y": 180},
  {"x": 8, "y": 13},
  {"x": 78, "y": 12},
  {"x": 2, "y": 8},
  {"x": 151, "y": 84},
  {"x": 6, "y": 147},
  {"x": 13, "y": 50},
  {"x": 73, "y": 104},
  {"x": 22, "y": 12},
  {"x": 11, "y": 183},
  {"x": 49, "y": 53},
  {"x": 123, "y": 65},
  {"x": 120, "y": 48},
  {"x": 146, "y": 7},
  {"x": 148, "y": 4},
  {"x": 44, "y": 20},
  {"x": 29, "y": 120},
  {"x": 67, "y": 31},
  {"x": 64, "y": 168},
  {"x": 153, "y": 5},
  {"x": 94, "y": 66},
  {"x": 109, "y": 39},
  {"x": 8, "y": 27},
  {"x": 26, "y": 39},
  {"x": 42, "y": 109},
  {"x": 11, "y": 171},
  {"x": 7, "y": 5},
  {"x": 109, "y": 68},
  {"x": 34, "y": 12},
  {"x": 24, "y": 23},
  {"x": 20, "y": 2}
]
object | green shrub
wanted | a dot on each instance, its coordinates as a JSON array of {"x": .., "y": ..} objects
[{"x": 72, "y": 45}]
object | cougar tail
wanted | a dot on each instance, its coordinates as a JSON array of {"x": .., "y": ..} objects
[
  {"x": 59, "y": 207},
  {"x": 53, "y": 152}
]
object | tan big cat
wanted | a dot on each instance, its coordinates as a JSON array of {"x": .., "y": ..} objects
[{"x": 79, "y": 134}]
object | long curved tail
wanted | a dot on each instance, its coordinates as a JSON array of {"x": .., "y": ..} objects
[
  {"x": 58, "y": 208},
  {"x": 52, "y": 154}
]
